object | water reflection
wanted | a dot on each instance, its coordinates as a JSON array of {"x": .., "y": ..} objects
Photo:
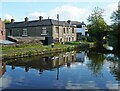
[
  {"x": 96, "y": 61},
  {"x": 2, "y": 68},
  {"x": 68, "y": 70},
  {"x": 115, "y": 65},
  {"x": 46, "y": 63}
]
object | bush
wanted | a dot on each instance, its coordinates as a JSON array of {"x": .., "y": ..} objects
[{"x": 72, "y": 43}]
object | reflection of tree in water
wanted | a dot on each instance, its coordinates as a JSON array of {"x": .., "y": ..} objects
[
  {"x": 115, "y": 66},
  {"x": 96, "y": 62}
]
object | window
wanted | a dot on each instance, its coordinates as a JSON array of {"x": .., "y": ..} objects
[
  {"x": 10, "y": 32},
  {"x": 72, "y": 38},
  {"x": 44, "y": 31},
  {"x": 25, "y": 32},
  {"x": 67, "y": 30},
  {"x": 63, "y": 30},
  {"x": 83, "y": 26},
  {"x": 72, "y": 57},
  {"x": 69, "y": 38},
  {"x": 72, "y": 30},
  {"x": 57, "y": 30}
]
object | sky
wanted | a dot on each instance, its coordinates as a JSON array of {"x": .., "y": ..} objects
[{"x": 74, "y": 10}]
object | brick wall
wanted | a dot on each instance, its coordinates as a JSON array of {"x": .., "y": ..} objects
[{"x": 2, "y": 30}]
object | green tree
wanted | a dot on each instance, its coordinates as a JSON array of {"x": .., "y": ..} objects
[
  {"x": 116, "y": 29},
  {"x": 97, "y": 26},
  {"x": 6, "y": 21}
]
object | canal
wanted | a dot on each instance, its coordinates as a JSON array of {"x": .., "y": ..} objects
[{"x": 87, "y": 69}]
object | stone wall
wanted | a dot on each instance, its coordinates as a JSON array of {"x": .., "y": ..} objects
[{"x": 65, "y": 34}]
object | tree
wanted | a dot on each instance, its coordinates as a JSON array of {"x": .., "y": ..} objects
[
  {"x": 6, "y": 21},
  {"x": 116, "y": 29},
  {"x": 97, "y": 26}
]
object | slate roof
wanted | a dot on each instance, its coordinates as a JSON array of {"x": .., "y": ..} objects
[
  {"x": 78, "y": 24},
  {"x": 44, "y": 22}
]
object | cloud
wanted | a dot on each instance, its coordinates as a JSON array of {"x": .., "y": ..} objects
[
  {"x": 37, "y": 14},
  {"x": 111, "y": 7},
  {"x": 8, "y": 16},
  {"x": 109, "y": 10},
  {"x": 65, "y": 12},
  {"x": 68, "y": 12}
]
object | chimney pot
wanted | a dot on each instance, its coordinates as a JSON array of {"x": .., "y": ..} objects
[
  {"x": 26, "y": 19},
  {"x": 40, "y": 17},
  {"x": 12, "y": 20}
]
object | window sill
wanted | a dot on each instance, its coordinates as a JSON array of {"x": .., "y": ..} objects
[
  {"x": 43, "y": 34},
  {"x": 24, "y": 35}
]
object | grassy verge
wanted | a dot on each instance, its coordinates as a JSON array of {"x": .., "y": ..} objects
[
  {"x": 16, "y": 51},
  {"x": 79, "y": 42},
  {"x": 26, "y": 50}
]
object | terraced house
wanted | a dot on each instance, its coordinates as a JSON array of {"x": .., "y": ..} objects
[{"x": 45, "y": 30}]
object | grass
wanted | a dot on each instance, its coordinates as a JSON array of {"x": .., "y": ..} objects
[
  {"x": 78, "y": 43},
  {"x": 15, "y": 51},
  {"x": 31, "y": 49}
]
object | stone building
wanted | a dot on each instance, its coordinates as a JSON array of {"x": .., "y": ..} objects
[
  {"x": 2, "y": 30},
  {"x": 47, "y": 30}
]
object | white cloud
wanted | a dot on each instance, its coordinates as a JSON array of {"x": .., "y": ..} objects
[
  {"x": 111, "y": 7},
  {"x": 37, "y": 14},
  {"x": 109, "y": 10},
  {"x": 65, "y": 12},
  {"x": 68, "y": 12},
  {"x": 8, "y": 16}
]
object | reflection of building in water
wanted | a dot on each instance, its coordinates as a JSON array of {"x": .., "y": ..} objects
[
  {"x": 2, "y": 68},
  {"x": 46, "y": 63},
  {"x": 80, "y": 57}
]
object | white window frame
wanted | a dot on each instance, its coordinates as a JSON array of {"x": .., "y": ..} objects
[
  {"x": 25, "y": 32},
  {"x": 44, "y": 31}
]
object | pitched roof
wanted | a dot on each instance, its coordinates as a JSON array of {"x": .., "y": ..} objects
[{"x": 44, "y": 22}]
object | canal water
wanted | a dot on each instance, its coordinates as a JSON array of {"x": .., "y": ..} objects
[{"x": 70, "y": 70}]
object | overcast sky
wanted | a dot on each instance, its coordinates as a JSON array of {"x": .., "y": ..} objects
[{"x": 75, "y": 10}]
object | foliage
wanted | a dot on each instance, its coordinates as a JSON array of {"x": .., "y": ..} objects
[
  {"x": 6, "y": 21},
  {"x": 116, "y": 28},
  {"x": 97, "y": 25},
  {"x": 72, "y": 43}
]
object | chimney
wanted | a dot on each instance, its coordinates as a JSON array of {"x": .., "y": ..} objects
[
  {"x": 68, "y": 21},
  {"x": 12, "y": 20},
  {"x": 40, "y": 18},
  {"x": 26, "y": 19}
]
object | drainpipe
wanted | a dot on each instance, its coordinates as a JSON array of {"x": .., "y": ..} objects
[{"x": 58, "y": 26}]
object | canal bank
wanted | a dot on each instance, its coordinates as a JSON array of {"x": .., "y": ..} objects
[
  {"x": 20, "y": 51},
  {"x": 86, "y": 69}
]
